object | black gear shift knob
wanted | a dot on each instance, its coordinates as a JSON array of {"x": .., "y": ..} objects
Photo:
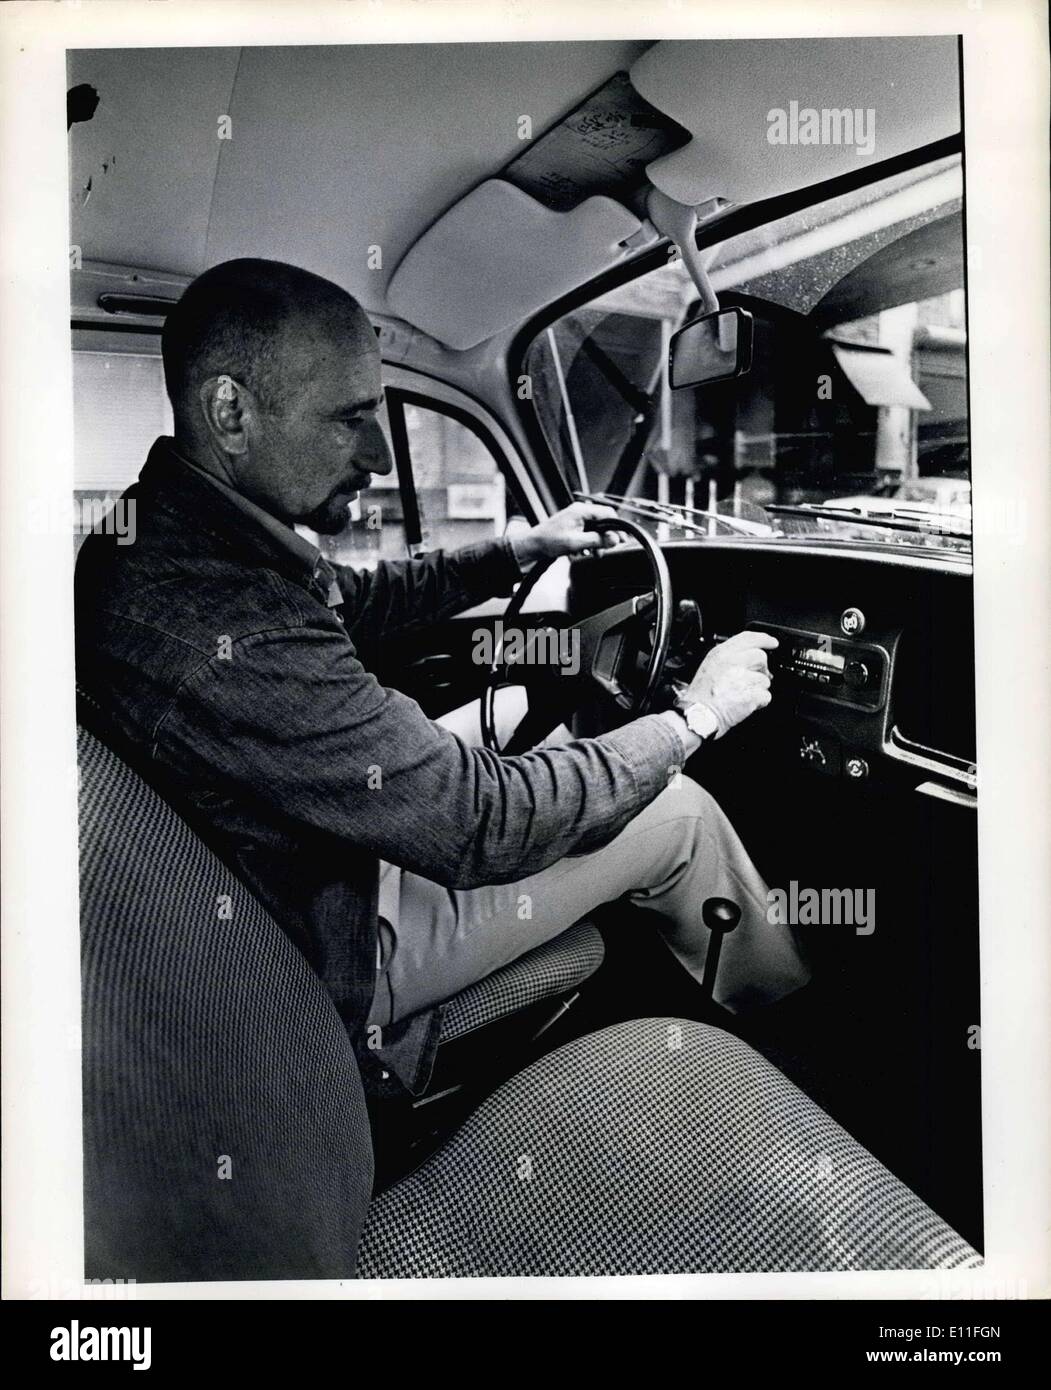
[{"x": 720, "y": 914}]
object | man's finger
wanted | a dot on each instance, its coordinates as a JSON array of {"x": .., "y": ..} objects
[
  {"x": 752, "y": 659},
  {"x": 594, "y": 511},
  {"x": 597, "y": 540},
  {"x": 755, "y": 679},
  {"x": 748, "y": 638},
  {"x": 589, "y": 540}
]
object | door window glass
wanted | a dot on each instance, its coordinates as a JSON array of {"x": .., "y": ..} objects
[{"x": 459, "y": 487}]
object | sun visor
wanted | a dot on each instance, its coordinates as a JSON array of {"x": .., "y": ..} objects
[
  {"x": 879, "y": 376},
  {"x": 769, "y": 116},
  {"x": 497, "y": 256}
]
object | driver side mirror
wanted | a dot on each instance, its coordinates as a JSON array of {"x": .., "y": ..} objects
[{"x": 714, "y": 347}]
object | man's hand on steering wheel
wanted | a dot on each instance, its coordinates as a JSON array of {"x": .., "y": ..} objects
[
  {"x": 599, "y": 639},
  {"x": 571, "y": 531}
]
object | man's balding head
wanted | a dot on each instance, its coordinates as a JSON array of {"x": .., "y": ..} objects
[
  {"x": 274, "y": 379},
  {"x": 240, "y": 318}
]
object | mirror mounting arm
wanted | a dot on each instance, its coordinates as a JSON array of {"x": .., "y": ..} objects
[{"x": 678, "y": 222}]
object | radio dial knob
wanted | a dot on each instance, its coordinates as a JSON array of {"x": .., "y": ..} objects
[{"x": 856, "y": 674}]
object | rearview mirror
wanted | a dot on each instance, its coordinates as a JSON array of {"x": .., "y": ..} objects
[{"x": 714, "y": 347}]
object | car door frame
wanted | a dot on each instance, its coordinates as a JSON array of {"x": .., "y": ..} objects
[{"x": 428, "y": 663}]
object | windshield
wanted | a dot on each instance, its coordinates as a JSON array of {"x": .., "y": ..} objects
[{"x": 852, "y": 422}]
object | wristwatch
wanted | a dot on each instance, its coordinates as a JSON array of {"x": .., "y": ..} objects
[{"x": 700, "y": 720}]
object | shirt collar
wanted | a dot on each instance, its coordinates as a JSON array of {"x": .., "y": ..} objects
[{"x": 297, "y": 547}]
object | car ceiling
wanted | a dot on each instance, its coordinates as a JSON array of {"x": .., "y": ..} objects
[{"x": 334, "y": 151}]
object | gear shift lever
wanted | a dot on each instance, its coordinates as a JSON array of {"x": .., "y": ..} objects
[{"x": 720, "y": 916}]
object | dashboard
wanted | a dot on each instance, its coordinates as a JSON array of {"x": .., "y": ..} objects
[{"x": 873, "y": 678}]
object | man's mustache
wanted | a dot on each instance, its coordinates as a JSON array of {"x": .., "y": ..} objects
[{"x": 355, "y": 484}]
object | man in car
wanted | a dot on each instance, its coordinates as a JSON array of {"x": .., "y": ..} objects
[{"x": 219, "y": 653}]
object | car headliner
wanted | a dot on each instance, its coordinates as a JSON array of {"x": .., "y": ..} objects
[
  {"x": 341, "y": 158},
  {"x": 331, "y": 148}
]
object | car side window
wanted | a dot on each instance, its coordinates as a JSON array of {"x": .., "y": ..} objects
[
  {"x": 458, "y": 482},
  {"x": 119, "y": 409},
  {"x": 460, "y": 490}
]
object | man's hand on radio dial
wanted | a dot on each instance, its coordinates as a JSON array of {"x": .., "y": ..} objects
[{"x": 733, "y": 680}]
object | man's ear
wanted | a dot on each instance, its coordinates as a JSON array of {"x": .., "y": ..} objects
[{"x": 223, "y": 405}]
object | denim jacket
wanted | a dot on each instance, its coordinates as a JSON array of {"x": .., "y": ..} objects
[{"x": 218, "y": 661}]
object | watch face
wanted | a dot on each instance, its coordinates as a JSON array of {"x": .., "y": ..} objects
[{"x": 701, "y": 720}]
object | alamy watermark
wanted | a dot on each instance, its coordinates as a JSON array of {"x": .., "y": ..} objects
[
  {"x": 86, "y": 1343},
  {"x": 531, "y": 646},
  {"x": 833, "y": 125},
  {"x": 50, "y": 516},
  {"x": 822, "y": 907}
]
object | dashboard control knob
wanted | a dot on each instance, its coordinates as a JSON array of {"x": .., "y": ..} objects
[
  {"x": 852, "y": 622},
  {"x": 857, "y": 769},
  {"x": 856, "y": 674}
]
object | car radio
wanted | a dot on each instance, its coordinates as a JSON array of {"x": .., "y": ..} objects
[{"x": 834, "y": 668}]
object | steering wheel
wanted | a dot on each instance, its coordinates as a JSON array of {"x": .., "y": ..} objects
[{"x": 600, "y": 641}]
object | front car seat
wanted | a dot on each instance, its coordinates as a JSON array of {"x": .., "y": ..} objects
[{"x": 226, "y": 1137}]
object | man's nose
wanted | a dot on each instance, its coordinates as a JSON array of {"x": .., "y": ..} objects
[{"x": 377, "y": 455}]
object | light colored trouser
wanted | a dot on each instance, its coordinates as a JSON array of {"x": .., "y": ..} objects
[{"x": 681, "y": 849}]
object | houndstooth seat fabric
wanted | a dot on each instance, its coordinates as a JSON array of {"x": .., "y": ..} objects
[
  {"x": 654, "y": 1147},
  {"x": 557, "y": 967},
  {"x": 225, "y": 1129},
  {"x": 211, "y": 1048}
]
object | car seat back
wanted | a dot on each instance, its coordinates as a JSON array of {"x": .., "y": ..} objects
[{"x": 225, "y": 1128}]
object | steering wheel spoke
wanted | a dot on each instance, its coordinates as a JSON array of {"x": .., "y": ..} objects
[
  {"x": 602, "y": 640},
  {"x": 544, "y": 656}
]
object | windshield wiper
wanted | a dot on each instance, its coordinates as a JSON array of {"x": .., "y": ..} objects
[
  {"x": 679, "y": 516},
  {"x": 675, "y": 514},
  {"x": 928, "y": 524}
]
